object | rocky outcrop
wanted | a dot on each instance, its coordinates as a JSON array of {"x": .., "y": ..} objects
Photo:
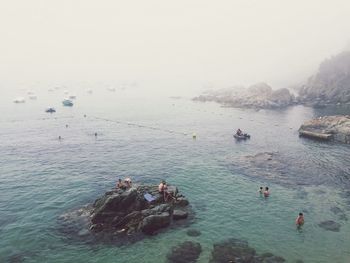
[
  {"x": 124, "y": 213},
  {"x": 331, "y": 84},
  {"x": 335, "y": 128},
  {"x": 258, "y": 96},
  {"x": 186, "y": 252},
  {"x": 234, "y": 250}
]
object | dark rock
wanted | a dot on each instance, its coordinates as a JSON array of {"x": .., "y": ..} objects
[
  {"x": 153, "y": 223},
  {"x": 330, "y": 225},
  {"x": 182, "y": 201},
  {"x": 125, "y": 214},
  {"x": 193, "y": 233},
  {"x": 186, "y": 252},
  {"x": 234, "y": 250},
  {"x": 179, "y": 214}
]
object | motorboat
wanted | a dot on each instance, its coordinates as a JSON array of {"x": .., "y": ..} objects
[
  {"x": 67, "y": 102},
  {"x": 50, "y": 110},
  {"x": 242, "y": 136},
  {"x": 19, "y": 100}
]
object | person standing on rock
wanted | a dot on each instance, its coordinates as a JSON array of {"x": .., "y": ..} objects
[{"x": 162, "y": 189}]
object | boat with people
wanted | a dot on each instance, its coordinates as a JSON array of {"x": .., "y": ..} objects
[
  {"x": 67, "y": 102},
  {"x": 19, "y": 100},
  {"x": 239, "y": 135}
]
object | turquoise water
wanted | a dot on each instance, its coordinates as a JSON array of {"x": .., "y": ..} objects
[{"x": 145, "y": 138}]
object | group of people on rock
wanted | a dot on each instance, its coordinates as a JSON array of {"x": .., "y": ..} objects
[
  {"x": 126, "y": 184},
  {"x": 299, "y": 221}
]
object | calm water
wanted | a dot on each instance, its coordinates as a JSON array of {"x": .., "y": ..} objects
[{"x": 144, "y": 138}]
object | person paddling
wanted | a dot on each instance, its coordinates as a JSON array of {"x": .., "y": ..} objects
[{"x": 300, "y": 220}]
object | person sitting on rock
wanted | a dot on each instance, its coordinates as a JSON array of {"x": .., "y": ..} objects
[
  {"x": 266, "y": 192},
  {"x": 120, "y": 185},
  {"x": 127, "y": 182},
  {"x": 239, "y": 132}
]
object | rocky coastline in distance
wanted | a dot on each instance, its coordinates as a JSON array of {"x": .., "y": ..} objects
[{"x": 329, "y": 86}]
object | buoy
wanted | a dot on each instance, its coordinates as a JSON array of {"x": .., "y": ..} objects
[
  {"x": 84, "y": 115},
  {"x": 194, "y": 136},
  {"x": 66, "y": 125},
  {"x": 95, "y": 134},
  {"x": 59, "y": 137}
]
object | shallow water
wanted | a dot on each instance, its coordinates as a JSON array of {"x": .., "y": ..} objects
[{"x": 143, "y": 137}]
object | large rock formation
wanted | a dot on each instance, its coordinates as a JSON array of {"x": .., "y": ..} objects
[
  {"x": 259, "y": 96},
  {"x": 331, "y": 84},
  {"x": 124, "y": 213},
  {"x": 335, "y": 128}
]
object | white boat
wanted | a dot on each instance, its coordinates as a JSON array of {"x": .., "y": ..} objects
[
  {"x": 72, "y": 97},
  {"x": 111, "y": 89},
  {"x": 65, "y": 91},
  {"x": 67, "y": 102},
  {"x": 19, "y": 100},
  {"x": 33, "y": 97},
  {"x": 89, "y": 91}
]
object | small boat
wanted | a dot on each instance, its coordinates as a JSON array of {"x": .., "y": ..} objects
[
  {"x": 89, "y": 91},
  {"x": 50, "y": 110},
  {"x": 67, "y": 102},
  {"x": 19, "y": 100},
  {"x": 72, "y": 97},
  {"x": 241, "y": 137},
  {"x": 33, "y": 97},
  {"x": 111, "y": 89}
]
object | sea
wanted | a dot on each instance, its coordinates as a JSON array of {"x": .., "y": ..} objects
[{"x": 149, "y": 137}]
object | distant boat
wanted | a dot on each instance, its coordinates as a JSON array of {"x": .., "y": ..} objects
[
  {"x": 67, "y": 102},
  {"x": 33, "y": 97},
  {"x": 111, "y": 89},
  {"x": 65, "y": 91},
  {"x": 89, "y": 91},
  {"x": 72, "y": 97},
  {"x": 50, "y": 110},
  {"x": 19, "y": 100},
  {"x": 241, "y": 137}
]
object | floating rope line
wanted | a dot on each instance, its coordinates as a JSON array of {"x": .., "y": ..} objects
[{"x": 140, "y": 125}]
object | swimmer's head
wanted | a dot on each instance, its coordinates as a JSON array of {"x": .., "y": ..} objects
[
  {"x": 266, "y": 188},
  {"x": 300, "y": 214}
]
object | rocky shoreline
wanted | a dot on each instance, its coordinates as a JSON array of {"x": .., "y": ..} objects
[{"x": 327, "y": 128}]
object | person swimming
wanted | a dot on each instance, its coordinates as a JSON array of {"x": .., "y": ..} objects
[
  {"x": 266, "y": 192},
  {"x": 261, "y": 191},
  {"x": 300, "y": 220}
]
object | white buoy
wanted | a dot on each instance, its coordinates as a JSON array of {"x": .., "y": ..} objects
[{"x": 194, "y": 136}]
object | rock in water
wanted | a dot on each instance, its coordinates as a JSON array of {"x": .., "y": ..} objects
[
  {"x": 186, "y": 252},
  {"x": 125, "y": 214},
  {"x": 193, "y": 233},
  {"x": 335, "y": 128},
  {"x": 234, "y": 250},
  {"x": 330, "y": 225}
]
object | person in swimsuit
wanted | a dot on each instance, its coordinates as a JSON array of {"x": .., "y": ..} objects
[
  {"x": 261, "y": 191},
  {"x": 162, "y": 189},
  {"x": 300, "y": 220},
  {"x": 266, "y": 192}
]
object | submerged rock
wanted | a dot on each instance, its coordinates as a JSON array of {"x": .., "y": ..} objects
[
  {"x": 125, "y": 213},
  {"x": 330, "y": 225},
  {"x": 193, "y": 233},
  {"x": 186, "y": 252},
  {"x": 327, "y": 128},
  {"x": 234, "y": 250}
]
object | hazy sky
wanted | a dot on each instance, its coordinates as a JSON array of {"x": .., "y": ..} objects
[{"x": 169, "y": 44}]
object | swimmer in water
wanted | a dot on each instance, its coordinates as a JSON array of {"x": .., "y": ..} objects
[
  {"x": 261, "y": 191},
  {"x": 266, "y": 192},
  {"x": 300, "y": 220}
]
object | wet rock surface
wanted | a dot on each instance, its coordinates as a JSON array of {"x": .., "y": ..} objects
[
  {"x": 330, "y": 225},
  {"x": 238, "y": 251},
  {"x": 126, "y": 215},
  {"x": 186, "y": 252},
  {"x": 335, "y": 128}
]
